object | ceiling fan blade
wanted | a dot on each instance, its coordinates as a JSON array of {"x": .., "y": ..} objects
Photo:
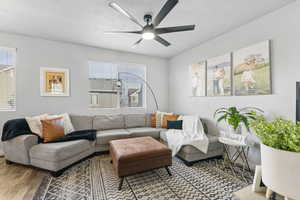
[
  {"x": 162, "y": 41},
  {"x": 169, "y": 5},
  {"x": 174, "y": 29},
  {"x": 124, "y": 12},
  {"x": 137, "y": 42},
  {"x": 116, "y": 32}
]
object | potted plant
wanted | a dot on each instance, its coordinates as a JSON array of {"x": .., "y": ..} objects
[
  {"x": 280, "y": 155},
  {"x": 235, "y": 117}
]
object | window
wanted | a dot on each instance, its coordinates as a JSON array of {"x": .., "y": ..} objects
[
  {"x": 116, "y": 85},
  {"x": 7, "y": 79}
]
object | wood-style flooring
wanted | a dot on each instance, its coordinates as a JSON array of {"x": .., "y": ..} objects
[{"x": 18, "y": 182}]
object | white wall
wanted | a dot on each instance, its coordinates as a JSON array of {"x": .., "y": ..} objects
[
  {"x": 33, "y": 53},
  {"x": 282, "y": 28}
]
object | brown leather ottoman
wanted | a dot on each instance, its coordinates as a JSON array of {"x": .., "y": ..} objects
[{"x": 134, "y": 155}]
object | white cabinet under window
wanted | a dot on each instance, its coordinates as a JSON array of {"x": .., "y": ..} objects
[
  {"x": 7, "y": 79},
  {"x": 115, "y": 85}
]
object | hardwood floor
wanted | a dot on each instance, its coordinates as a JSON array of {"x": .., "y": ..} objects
[{"x": 18, "y": 182}]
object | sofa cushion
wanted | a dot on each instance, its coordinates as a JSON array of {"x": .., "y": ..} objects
[
  {"x": 211, "y": 138},
  {"x": 81, "y": 122},
  {"x": 188, "y": 149},
  {"x": 135, "y": 120},
  {"x": 17, "y": 149},
  {"x": 213, "y": 145},
  {"x": 145, "y": 131},
  {"x": 108, "y": 122},
  {"x": 55, "y": 152},
  {"x": 163, "y": 135},
  {"x": 205, "y": 128},
  {"x": 104, "y": 137}
]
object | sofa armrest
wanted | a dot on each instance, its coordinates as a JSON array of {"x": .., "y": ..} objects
[{"x": 17, "y": 149}]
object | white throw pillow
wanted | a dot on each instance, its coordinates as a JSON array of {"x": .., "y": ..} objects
[
  {"x": 68, "y": 126},
  {"x": 35, "y": 124}
]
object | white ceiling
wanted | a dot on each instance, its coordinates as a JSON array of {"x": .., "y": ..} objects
[{"x": 84, "y": 21}]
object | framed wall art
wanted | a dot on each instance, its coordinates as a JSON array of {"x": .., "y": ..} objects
[
  {"x": 198, "y": 79},
  {"x": 219, "y": 76},
  {"x": 54, "y": 82},
  {"x": 252, "y": 70}
]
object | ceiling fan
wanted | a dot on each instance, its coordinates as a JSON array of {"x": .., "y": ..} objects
[{"x": 151, "y": 30}]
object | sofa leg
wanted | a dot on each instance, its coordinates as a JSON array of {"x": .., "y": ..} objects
[
  {"x": 121, "y": 183},
  {"x": 189, "y": 164},
  {"x": 57, "y": 174},
  {"x": 8, "y": 162}
]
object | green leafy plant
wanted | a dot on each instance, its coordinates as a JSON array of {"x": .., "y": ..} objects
[
  {"x": 234, "y": 117},
  {"x": 278, "y": 133}
]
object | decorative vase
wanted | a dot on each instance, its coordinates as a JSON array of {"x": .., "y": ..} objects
[{"x": 281, "y": 171}]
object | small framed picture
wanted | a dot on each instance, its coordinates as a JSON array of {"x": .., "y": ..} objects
[{"x": 54, "y": 82}]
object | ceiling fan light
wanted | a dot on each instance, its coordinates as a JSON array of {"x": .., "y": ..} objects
[{"x": 148, "y": 35}]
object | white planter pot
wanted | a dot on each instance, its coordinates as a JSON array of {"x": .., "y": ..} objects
[
  {"x": 281, "y": 171},
  {"x": 237, "y": 131}
]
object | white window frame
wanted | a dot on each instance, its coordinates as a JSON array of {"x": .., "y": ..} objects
[
  {"x": 14, "y": 50},
  {"x": 119, "y": 108}
]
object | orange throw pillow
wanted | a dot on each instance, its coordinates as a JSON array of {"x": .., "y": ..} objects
[
  {"x": 153, "y": 120},
  {"x": 53, "y": 129},
  {"x": 168, "y": 118}
]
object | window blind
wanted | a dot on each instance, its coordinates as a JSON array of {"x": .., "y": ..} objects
[{"x": 7, "y": 79}]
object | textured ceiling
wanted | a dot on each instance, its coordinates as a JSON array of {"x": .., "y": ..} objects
[{"x": 84, "y": 21}]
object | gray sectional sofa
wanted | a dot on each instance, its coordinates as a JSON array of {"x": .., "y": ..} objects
[{"x": 55, "y": 157}]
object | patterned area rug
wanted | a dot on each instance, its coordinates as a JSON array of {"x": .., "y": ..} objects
[{"x": 95, "y": 179}]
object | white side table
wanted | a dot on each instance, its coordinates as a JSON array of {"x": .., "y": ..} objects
[{"x": 241, "y": 151}]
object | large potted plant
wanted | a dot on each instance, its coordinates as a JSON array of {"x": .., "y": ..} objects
[
  {"x": 236, "y": 117},
  {"x": 280, "y": 155}
]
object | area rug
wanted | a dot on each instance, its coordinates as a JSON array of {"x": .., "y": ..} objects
[{"x": 95, "y": 179}]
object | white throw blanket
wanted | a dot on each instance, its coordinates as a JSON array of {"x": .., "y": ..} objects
[{"x": 192, "y": 133}]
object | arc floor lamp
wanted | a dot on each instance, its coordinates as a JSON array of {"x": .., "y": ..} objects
[{"x": 146, "y": 83}]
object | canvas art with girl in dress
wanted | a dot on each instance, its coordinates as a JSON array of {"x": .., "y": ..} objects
[{"x": 251, "y": 70}]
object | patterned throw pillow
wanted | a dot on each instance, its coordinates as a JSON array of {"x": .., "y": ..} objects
[
  {"x": 53, "y": 129},
  {"x": 153, "y": 120},
  {"x": 167, "y": 118},
  {"x": 159, "y": 118}
]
